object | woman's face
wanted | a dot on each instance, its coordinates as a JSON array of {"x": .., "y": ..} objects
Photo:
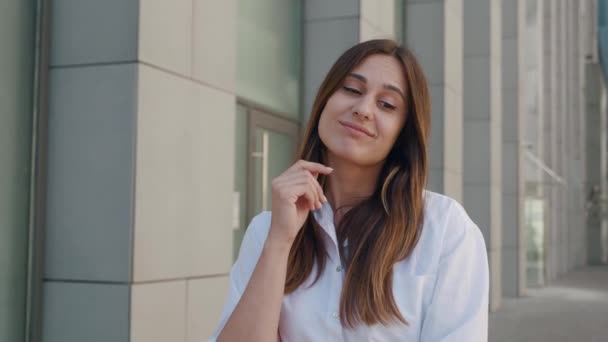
[{"x": 362, "y": 119}]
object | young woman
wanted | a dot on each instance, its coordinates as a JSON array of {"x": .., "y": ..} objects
[{"x": 355, "y": 249}]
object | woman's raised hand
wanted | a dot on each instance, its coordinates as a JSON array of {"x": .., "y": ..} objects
[{"x": 294, "y": 194}]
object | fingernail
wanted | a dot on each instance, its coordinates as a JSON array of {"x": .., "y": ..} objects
[{"x": 329, "y": 168}]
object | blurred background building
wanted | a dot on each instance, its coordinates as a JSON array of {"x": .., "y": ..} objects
[{"x": 139, "y": 137}]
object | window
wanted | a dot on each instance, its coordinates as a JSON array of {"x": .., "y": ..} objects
[{"x": 269, "y": 54}]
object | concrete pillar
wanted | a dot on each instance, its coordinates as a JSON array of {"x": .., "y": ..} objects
[
  {"x": 434, "y": 32},
  {"x": 562, "y": 122},
  {"x": 377, "y": 20},
  {"x": 482, "y": 128},
  {"x": 137, "y": 248},
  {"x": 571, "y": 120},
  {"x": 579, "y": 48},
  {"x": 576, "y": 156},
  {"x": 550, "y": 151},
  {"x": 596, "y": 164},
  {"x": 513, "y": 116}
]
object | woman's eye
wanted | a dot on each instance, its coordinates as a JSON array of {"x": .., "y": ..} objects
[
  {"x": 352, "y": 90},
  {"x": 387, "y": 105}
]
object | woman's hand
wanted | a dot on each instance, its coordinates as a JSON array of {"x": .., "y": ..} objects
[{"x": 294, "y": 194}]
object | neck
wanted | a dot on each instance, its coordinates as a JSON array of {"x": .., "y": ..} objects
[{"x": 349, "y": 184}]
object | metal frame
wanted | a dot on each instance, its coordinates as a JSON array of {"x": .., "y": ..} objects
[
  {"x": 38, "y": 172},
  {"x": 258, "y": 116}
]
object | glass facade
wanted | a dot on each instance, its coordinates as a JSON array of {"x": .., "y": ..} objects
[
  {"x": 269, "y": 54},
  {"x": 602, "y": 32},
  {"x": 535, "y": 254},
  {"x": 268, "y": 113}
]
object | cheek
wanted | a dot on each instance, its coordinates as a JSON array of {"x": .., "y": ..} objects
[
  {"x": 323, "y": 122},
  {"x": 328, "y": 116},
  {"x": 390, "y": 129}
]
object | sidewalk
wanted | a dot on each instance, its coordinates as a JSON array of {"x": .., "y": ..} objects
[{"x": 574, "y": 308}]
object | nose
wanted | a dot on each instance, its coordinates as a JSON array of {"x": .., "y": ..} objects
[{"x": 364, "y": 109}]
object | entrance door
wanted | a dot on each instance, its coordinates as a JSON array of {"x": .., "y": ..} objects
[
  {"x": 272, "y": 149},
  {"x": 266, "y": 145}
]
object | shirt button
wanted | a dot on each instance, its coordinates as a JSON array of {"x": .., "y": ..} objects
[
  {"x": 334, "y": 315},
  {"x": 339, "y": 268}
]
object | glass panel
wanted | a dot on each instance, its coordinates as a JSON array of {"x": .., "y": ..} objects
[
  {"x": 240, "y": 179},
  {"x": 268, "y": 54},
  {"x": 534, "y": 214},
  {"x": 17, "y": 28},
  {"x": 273, "y": 154}
]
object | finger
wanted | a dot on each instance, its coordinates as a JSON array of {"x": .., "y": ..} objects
[
  {"x": 317, "y": 189},
  {"x": 313, "y": 167},
  {"x": 310, "y": 197},
  {"x": 315, "y": 194},
  {"x": 300, "y": 178},
  {"x": 304, "y": 188},
  {"x": 294, "y": 176},
  {"x": 306, "y": 177},
  {"x": 320, "y": 191}
]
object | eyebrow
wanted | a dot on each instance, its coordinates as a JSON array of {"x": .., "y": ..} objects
[{"x": 385, "y": 85}]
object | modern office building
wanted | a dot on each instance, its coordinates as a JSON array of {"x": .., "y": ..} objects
[{"x": 139, "y": 137}]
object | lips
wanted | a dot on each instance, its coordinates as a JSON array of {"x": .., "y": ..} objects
[{"x": 356, "y": 127}]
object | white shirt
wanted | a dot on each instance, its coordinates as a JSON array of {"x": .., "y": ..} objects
[{"x": 441, "y": 289}]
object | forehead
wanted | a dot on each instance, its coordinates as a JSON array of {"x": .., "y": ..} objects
[{"x": 381, "y": 69}]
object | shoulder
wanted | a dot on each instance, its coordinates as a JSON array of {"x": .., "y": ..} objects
[
  {"x": 443, "y": 214},
  {"x": 258, "y": 228},
  {"x": 447, "y": 226},
  {"x": 250, "y": 250},
  {"x": 446, "y": 215},
  {"x": 254, "y": 238}
]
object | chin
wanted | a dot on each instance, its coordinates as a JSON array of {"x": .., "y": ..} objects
[{"x": 352, "y": 154}]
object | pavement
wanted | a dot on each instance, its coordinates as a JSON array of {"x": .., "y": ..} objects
[{"x": 573, "y": 308}]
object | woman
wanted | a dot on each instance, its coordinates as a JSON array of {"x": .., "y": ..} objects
[{"x": 355, "y": 249}]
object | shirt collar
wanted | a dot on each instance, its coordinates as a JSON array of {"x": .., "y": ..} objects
[{"x": 325, "y": 218}]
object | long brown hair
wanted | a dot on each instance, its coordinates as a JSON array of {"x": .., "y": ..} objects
[{"x": 383, "y": 228}]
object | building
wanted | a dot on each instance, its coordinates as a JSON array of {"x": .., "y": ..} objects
[{"x": 139, "y": 137}]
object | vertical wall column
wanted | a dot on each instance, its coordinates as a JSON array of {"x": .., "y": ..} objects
[
  {"x": 571, "y": 120},
  {"x": 543, "y": 130},
  {"x": 91, "y": 167},
  {"x": 596, "y": 163},
  {"x": 139, "y": 239},
  {"x": 513, "y": 121},
  {"x": 434, "y": 32},
  {"x": 551, "y": 184},
  {"x": 561, "y": 158},
  {"x": 377, "y": 19},
  {"x": 539, "y": 138},
  {"x": 482, "y": 143},
  {"x": 186, "y": 106},
  {"x": 576, "y": 153}
]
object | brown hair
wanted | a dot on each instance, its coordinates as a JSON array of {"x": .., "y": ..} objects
[{"x": 383, "y": 228}]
